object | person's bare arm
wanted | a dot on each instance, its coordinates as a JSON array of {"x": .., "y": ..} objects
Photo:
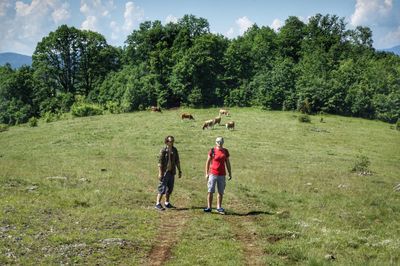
[
  {"x": 207, "y": 166},
  {"x": 228, "y": 166}
]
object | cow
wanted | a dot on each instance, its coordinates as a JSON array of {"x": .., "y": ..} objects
[
  {"x": 208, "y": 124},
  {"x": 217, "y": 120},
  {"x": 187, "y": 116},
  {"x": 223, "y": 112},
  {"x": 155, "y": 109},
  {"x": 230, "y": 125}
]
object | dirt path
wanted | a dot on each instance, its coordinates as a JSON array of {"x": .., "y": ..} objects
[
  {"x": 168, "y": 236},
  {"x": 244, "y": 228},
  {"x": 243, "y": 225}
]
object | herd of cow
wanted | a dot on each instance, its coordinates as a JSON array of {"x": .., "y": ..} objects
[{"x": 209, "y": 124}]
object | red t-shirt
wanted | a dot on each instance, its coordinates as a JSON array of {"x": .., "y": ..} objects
[{"x": 218, "y": 161}]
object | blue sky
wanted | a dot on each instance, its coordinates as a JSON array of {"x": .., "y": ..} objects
[{"x": 24, "y": 23}]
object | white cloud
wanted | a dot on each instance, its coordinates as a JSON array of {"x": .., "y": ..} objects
[
  {"x": 390, "y": 39},
  {"x": 4, "y": 6},
  {"x": 97, "y": 14},
  {"x": 171, "y": 18},
  {"x": 61, "y": 14},
  {"x": 371, "y": 12},
  {"x": 90, "y": 23},
  {"x": 132, "y": 15},
  {"x": 23, "y": 24},
  {"x": 382, "y": 17},
  {"x": 276, "y": 24},
  {"x": 115, "y": 30},
  {"x": 244, "y": 23},
  {"x": 230, "y": 33}
]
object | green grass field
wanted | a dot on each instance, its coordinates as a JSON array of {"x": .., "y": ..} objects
[{"x": 82, "y": 191}]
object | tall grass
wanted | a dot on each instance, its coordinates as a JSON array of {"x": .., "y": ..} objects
[{"x": 82, "y": 190}]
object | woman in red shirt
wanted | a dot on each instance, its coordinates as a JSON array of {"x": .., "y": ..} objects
[{"x": 218, "y": 159}]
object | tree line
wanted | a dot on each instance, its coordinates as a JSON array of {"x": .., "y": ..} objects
[{"x": 318, "y": 66}]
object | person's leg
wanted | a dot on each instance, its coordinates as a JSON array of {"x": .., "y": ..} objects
[
  {"x": 209, "y": 199},
  {"x": 162, "y": 187},
  {"x": 212, "y": 179},
  {"x": 159, "y": 197},
  {"x": 170, "y": 186},
  {"x": 221, "y": 188},
  {"x": 219, "y": 200}
]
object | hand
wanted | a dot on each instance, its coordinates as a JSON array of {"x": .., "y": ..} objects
[
  {"x": 160, "y": 177},
  {"x": 230, "y": 177},
  {"x": 206, "y": 177},
  {"x": 180, "y": 174}
]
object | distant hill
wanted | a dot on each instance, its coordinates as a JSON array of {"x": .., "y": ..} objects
[
  {"x": 15, "y": 60},
  {"x": 395, "y": 50}
]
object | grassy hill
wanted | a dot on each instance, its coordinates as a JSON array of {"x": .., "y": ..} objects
[{"x": 83, "y": 191}]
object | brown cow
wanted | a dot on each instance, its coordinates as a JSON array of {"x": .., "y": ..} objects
[
  {"x": 155, "y": 109},
  {"x": 187, "y": 116},
  {"x": 208, "y": 124},
  {"x": 223, "y": 112},
  {"x": 217, "y": 120},
  {"x": 230, "y": 125}
]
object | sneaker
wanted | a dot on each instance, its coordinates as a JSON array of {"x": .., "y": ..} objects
[
  {"x": 159, "y": 207},
  {"x": 207, "y": 210},
  {"x": 221, "y": 210},
  {"x": 169, "y": 206}
]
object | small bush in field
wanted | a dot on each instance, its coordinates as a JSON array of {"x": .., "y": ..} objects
[
  {"x": 3, "y": 127},
  {"x": 398, "y": 124},
  {"x": 361, "y": 165},
  {"x": 33, "y": 122},
  {"x": 304, "y": 106},
  {"x": 50, "y": 117},
  {"x": 304, "y": 118},
  {"x": 114, "y": 107},
  {"x": 86, "y": 109}
]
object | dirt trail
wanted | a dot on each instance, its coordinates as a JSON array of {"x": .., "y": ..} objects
[
  {"x": 242, "y": 223},
  {"x": 243, "y": 226},
  {"x": 168, "y": 235}
]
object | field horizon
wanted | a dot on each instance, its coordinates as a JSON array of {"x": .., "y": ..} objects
[{"x": 82, "y": 191}]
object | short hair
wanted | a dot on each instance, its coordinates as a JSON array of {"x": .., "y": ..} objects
[{"x": 167, "y": 138}]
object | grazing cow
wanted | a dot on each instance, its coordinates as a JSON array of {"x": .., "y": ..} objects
[
  {"x": 230, "y": 125},
  {"x": 217, "y": 120},
  {"x": 155, "y": 109},
  {"x": 223, "y": 112},
  {"x": 187, "y": 116},
  {"x": 208, "y": 124}
]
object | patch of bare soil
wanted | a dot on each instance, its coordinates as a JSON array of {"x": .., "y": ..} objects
[
  {"x": 241, "y": 226},
  {"x": 169, "y": 232}
]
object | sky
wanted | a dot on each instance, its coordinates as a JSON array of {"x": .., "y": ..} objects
[{"x": 24, "y": 23}]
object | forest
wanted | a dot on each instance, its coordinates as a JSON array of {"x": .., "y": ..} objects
[{"x": 314, "y": 67}]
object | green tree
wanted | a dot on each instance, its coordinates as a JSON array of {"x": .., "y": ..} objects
[
  {"x": 16, "y": 95},
  {"x": 196, "y": 75},
  {"x": 290, "y": 38}
]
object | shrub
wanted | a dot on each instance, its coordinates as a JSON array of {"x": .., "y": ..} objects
[
  {"x": 50, "y": 117},
  {"x": 33, "y": 122},
  {"x": 86, "y": 109},
  {"x": 304, "y": 118},
  {"x": 114, "y": 107},
  {"x": 361, "y": 165},
  {"x": 3, "y": 127},
  {"x": 304, "y": 106}
]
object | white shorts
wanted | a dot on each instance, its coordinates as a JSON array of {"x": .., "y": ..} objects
[{"x": 216, "y": 179}]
